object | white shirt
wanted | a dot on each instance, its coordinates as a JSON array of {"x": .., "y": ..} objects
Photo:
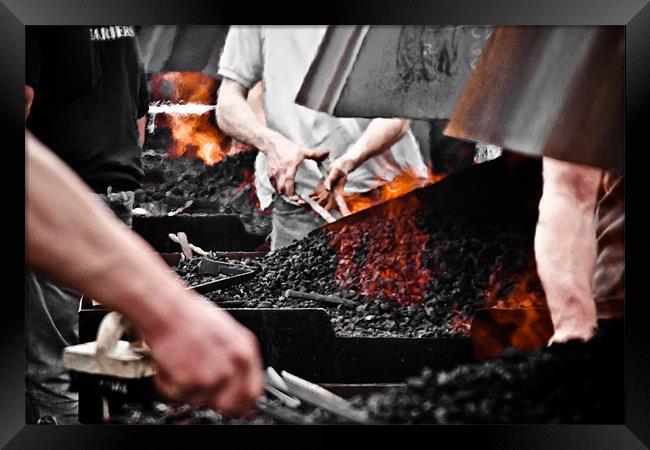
[{"x": 280, "y": 56}]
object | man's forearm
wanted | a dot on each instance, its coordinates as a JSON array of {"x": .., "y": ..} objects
[
  {"x": 565, "y": 246},
  {"x": 380, "y": 135},
  {"x": 74, "y": 239},
  {"x": 236, "y": 117},
  {"x": 29, "y": 99},
  {"x": 141, "y": 122}
]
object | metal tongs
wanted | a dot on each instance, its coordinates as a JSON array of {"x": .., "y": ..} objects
[
  {"x": 111, "y": 357},
  {"x": 338, "y": 197},
  {"x": 291, "y": 391}
]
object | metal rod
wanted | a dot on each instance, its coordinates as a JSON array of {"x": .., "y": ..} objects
[
  {"x": 280, "y": 414},
  {"x": 181, "y": 209},
  {"x": 340, "y": 202},
  {"x": 324, "y": 399},
  {"x": 287, "y": 400},
  {"x": 290, "y": 293},
  {"x": 274, "y": 379},
  {"x": 325, "y": 214}
]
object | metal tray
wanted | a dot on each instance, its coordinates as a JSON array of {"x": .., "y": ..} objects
[
  {"x": 303, "y": 342},
  {"x": 222, "y": 232},
  {"x": 237, "y": 273}
]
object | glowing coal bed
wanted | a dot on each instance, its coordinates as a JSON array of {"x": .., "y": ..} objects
[{"x": 415, "y": 275}]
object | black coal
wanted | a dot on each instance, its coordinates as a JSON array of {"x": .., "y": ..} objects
[
  {"x": 573, "y": 382},
  {"x": 225, "y": 187},
  {"x": 158, "y": 413}
]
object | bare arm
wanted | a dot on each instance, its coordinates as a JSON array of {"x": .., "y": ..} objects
[
  {"x": 29, "y": 99},
  {"x": 142, "y": 122},
  {"x": 256, "y": 101},
  {"x": 565, "y": 247},
  {"x": 203, "y": 355},
  {"x": 237, "y": 119},
  {"x": 379, "y": 136}
]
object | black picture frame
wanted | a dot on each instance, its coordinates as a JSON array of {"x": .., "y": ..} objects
[{"x": 633, "y": 14}]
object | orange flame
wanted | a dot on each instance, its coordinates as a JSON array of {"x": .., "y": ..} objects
[
  {"x": 384, "y": 256},
  {"x": 495, "y": 329},
  {"x": 514, "y": 289},
  {"x": 194, "y": 134},
  {"x": 404, "y": 183},
  {"x": 459, "y": 322},
  {"x": 516, "y": 316}
]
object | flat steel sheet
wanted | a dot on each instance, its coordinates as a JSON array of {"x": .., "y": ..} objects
[
  {"x": 410, "y": 71},
  {"x": 553, "y": 91}
]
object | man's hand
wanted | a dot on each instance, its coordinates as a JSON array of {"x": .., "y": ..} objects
[
  {"x": 338, "y": 171},
  {"x": 565, "y": 247},
  {"x": 574, "y": 320},
  {"x": 236, "y": 117},
  {"x": 324, "y": 197},
  {"x": 283, "y": 159},
  {"x": 378, "y": 137},
  {"x": 204, "y": 357}
]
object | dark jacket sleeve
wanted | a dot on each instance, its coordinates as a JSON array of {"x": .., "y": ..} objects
[{"x": 144, "y": 96}]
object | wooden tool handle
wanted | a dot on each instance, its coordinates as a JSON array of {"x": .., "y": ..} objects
[
  {"x": 111, "y": 329},
  {"x": 189, "y": 248},
  {"x": 185, "y": 245},
  {"x": 109, "y": 355}
]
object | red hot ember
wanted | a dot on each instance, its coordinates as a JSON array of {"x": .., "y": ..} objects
[{"x": 385, "y": 258}]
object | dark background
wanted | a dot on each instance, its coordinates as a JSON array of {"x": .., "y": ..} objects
[{"x": 14, "y": 14}]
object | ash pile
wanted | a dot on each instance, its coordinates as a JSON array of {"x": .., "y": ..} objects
[{"x": 224, "y": 188}]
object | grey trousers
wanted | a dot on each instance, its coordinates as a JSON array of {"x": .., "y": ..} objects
[
  {"x": 51, "y": 325},
  {"x": 291, "y": 223}
]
